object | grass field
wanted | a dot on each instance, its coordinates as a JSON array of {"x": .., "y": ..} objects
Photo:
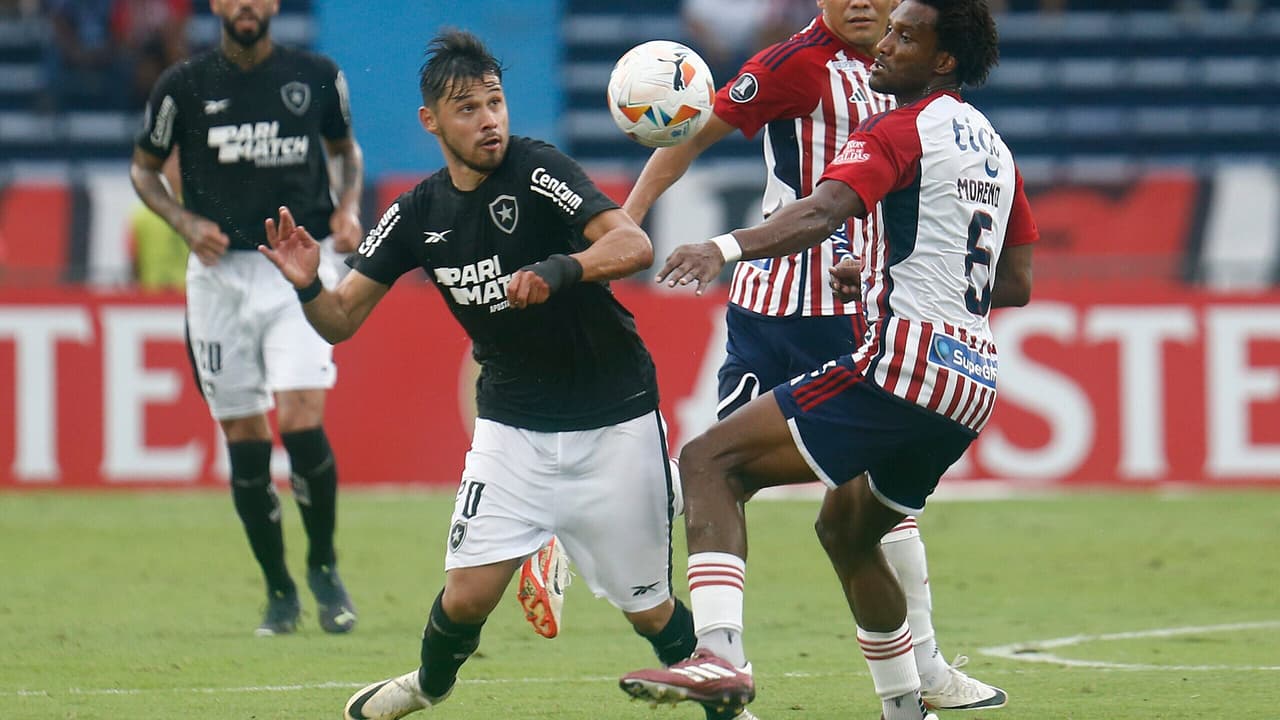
[{"x": 143, "y": 606}]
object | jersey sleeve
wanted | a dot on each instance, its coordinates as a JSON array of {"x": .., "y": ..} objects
[
  {"x": 336, "y": 122},
  {"x": 1022, "y": 225},
  {"x": 563, "y": 185},
  {"x": 882, "y": 156},
  {"x": 161, "y": 120},
  {"x": 384, "y": 254},
  {"x": 767, "y": 88}
]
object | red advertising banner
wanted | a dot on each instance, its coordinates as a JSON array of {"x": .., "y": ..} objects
[{"x": 1111, "y": 384}]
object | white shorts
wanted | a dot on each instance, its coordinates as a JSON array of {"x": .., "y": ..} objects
[
  {"x": 606, "y": 493},
  {"x": 248, "y": 335}
]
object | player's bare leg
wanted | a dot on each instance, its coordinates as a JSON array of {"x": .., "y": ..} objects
[
  {"x": 850, "y": 526},
  {"x": 749, "y": 450},
  {"x": 942, "y": 685}
]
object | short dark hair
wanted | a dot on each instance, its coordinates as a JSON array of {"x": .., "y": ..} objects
[
  {"x": 966, "y": 29},
  {"x": 454, "y": 55}
]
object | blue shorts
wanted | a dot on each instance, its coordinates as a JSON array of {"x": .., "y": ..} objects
[
  {"x": 764, "y": 352},
  {"x": 845, "y": 425}
]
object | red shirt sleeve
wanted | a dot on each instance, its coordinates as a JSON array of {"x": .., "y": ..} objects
[
  {"x": 1022, "y": 226},
  {"x": 882, "y": 156},
  {"x": 766, "y": 89}
]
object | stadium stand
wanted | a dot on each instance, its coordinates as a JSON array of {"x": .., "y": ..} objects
[{"x": 1096, "y": 86}]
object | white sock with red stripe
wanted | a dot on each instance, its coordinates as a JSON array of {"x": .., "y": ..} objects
[
  {"x": 716, "y": 580},
  {"x": 904, "y": 549},
  {"x": 893, "y": 671}
]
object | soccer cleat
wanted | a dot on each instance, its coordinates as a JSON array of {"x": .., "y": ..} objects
[
  {"x": 705, "y": 678},
  {"x": 281, "y": 617},
  {"x": 333, "y": 605},
  {"x": 961, "y": 692},
  {"x": 543, "y": 578},
  {"x": 391, "y": 699}
]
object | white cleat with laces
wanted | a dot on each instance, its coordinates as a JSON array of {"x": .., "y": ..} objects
[{"x": 961, "y": 692}]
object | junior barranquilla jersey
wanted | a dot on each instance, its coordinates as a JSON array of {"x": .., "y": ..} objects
[
  {"x": 808, "y": 93},
  {"x": 575, "y": 362},
  {"x": 250, "y": 141},
  {"x": 952, "y": 201}
]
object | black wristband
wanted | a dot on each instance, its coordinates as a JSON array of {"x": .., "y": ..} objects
[
  {"x": 558, "y": 271},
  {"x": 310, "y": 292}
]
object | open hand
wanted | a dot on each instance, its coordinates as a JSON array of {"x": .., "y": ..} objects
[
  {"x": 292, "y": 250},
  {"x": 694, "y": 262}
]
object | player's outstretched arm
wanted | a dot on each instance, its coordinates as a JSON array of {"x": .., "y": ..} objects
[
  {"x": 335, "y": 314},
  {"x": 618, "y": 248},
  {"x": 793, "y": 228},
  {"x": 667, "y": 165}
]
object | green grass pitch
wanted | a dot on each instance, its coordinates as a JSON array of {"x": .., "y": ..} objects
[{"x": 142, "y": 606}]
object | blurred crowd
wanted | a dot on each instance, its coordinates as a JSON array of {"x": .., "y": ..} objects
[{"x": 97, "y": 48}]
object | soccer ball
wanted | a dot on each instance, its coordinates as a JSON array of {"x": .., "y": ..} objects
[{"x": 661, "y": 93}]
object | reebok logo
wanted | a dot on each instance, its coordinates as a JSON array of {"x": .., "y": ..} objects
[
  {"x": 430, "y": 237},
  {"x": 213, "y": 107},
  {"x": 638, "y": 590}
]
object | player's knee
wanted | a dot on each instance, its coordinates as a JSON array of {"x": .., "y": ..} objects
[
  {"x": 468, "y": 605},
  {"x": 652, "y": 621}
]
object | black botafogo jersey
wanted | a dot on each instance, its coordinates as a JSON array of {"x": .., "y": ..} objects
[
  {"x": 573, "y": 363},
  {"x": 250, "y": 141}
]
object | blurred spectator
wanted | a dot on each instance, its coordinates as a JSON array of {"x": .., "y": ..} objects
[
  {"x": 17, "y": 9},
  {"x": 106, "y": 54},
  {"x": 154, "y": 34},
  {"x": 726, "y": 34},
  {"x": 83, "y": 65}
]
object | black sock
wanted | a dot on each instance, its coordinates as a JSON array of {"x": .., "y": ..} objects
[
  {"x": 445, "y": 646},
  {"x": 676, "y": 641},
  {"x": 314, "y": 478},
  {"x": 259, "y": 509}
]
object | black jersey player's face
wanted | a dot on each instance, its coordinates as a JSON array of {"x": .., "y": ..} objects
[
  {"x": 472, "y": 123},
  {"x": 860, "y": 23},
  {"x": 245, "y": 21},
  {"x": 908, "y": 58}
]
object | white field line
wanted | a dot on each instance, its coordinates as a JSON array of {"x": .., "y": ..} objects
[
  {"x": 1036, "y": 651},
  {"x": 333, "y": 685}
]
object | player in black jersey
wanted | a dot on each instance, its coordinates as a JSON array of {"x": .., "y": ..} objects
[
  {"x": 254, "y": 123},
  {"x": 568, "y": 439}
]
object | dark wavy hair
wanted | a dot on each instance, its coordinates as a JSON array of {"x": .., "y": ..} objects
[
  {"x": 452, "y": 56},
  {"x": 966, "y": 29}
]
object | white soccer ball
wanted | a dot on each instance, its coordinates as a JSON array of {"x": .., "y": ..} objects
[{"x": 661, "y": 93}]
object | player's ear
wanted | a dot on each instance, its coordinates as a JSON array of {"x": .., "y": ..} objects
[
  {"x": 427, "y": 119},
  {"x": 945, "y": 64}
]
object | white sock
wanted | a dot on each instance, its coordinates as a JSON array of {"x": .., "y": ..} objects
[
  {"x": 893, "y": 672},
  {"x": 716, "y": 581},
  {"x": 904, "y": 549}
]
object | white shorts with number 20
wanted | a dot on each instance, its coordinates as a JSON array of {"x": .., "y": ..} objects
[
  {"x": 248, "y": 335},
  {"x": 606, "y": 493}
]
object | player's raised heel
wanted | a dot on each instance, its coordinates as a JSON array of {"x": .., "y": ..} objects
[
  {"x": 961, "y": 692},
  {"x": 543, "y": 579},
  {"x": 391, "y": 699},
  {"x": 704, "y": 678}
]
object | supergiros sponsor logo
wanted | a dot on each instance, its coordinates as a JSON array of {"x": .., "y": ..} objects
[{"x": 259, "y": 143}]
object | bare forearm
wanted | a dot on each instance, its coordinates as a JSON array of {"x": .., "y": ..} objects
[
  {"x": 665, "y": 167},
  {"x": 618, "y": 253},
  {"x": 330, "y": 317},
  {"x": 349, "y": 170},
  {"x": 154, "y": 194},
  {"x": 797, "y": 226}
]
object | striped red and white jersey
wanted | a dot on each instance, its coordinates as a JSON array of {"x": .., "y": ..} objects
[
  {"x": 952, "y": 200},
  {"x": 807, "y": 93}
]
